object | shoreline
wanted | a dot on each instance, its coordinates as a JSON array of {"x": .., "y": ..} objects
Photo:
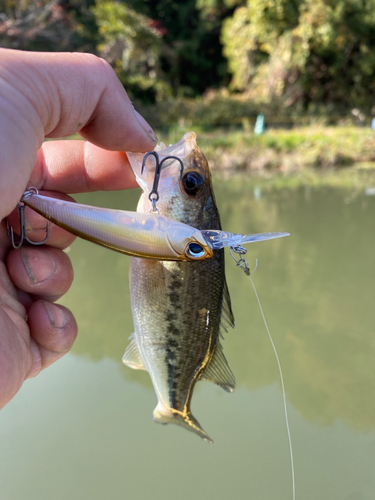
[{"x": 315, "y": 156}]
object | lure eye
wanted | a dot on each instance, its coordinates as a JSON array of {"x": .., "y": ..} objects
[
  {"x": 195, "y": 251},
  {"x": 193, "y": 183}
]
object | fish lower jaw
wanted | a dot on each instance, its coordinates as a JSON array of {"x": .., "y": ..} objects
[{"x": 166, "y": 415}]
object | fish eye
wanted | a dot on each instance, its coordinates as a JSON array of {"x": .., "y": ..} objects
[
  {"x": 195, "y": 251},
  {"x": 193, "y": 183}
]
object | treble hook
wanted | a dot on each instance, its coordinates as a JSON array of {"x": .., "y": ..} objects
[
  {"x": 241, "y": 262},
  {"x": 23, "y": 236},
  {"x": 154, "y": 194}
]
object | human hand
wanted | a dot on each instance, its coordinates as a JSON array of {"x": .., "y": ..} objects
[{"x": 53, "y": 95}]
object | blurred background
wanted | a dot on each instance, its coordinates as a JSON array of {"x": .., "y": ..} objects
[
  {"x": 292, "y": 67},
  {"x": 281, "y": 94}
]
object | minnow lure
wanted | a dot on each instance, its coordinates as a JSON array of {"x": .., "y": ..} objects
[
  {"x": 139, "y": 235},
  {"x": 147, "y": 235}
]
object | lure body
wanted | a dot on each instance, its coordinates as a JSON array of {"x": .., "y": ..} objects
[{"x": 136, "y": 234}]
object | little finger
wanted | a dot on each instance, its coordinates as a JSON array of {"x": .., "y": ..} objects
[{"x": 53, "y": 330}]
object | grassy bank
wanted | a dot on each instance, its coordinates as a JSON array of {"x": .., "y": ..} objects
[
  {"x": 289, "y": 151},
  {"x": 334, "y": 156}
]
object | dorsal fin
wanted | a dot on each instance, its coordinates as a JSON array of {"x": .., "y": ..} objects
[
  {"x": 218, "y": 371},
  {"x": 226, "y": 311},
  {"x": 132, "y": 356}
]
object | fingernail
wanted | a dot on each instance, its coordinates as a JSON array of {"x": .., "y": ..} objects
[
  {"x": 146, "y": 127},
  {"x": 39, "y": 265},
  {"x": 56, "y": 315}
]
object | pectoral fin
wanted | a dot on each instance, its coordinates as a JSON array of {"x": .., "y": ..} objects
[
  {"x": 218, "y": 371},
  {"x": 132, "y": 357}
]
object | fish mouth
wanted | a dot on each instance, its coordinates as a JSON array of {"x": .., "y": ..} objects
[{"x": 182, "y": 148}]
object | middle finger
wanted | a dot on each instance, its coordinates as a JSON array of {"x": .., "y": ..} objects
[{"x": 44, "y": 272}]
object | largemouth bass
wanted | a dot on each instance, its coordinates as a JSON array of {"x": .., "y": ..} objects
[{"x": 179, "y": 307}]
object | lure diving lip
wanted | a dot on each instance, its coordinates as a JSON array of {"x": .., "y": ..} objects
[{"x": 220, "y": 239}]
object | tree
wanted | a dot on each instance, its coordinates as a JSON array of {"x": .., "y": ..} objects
[
  {"x": 303, "y": 51},
  {"x": 131, "y": 43},
  {"x": 191, "y": 55},
  {"x": 58, "y": 25}
]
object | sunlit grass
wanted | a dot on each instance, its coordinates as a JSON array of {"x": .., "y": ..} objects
[{"x": 280, "y": 150}]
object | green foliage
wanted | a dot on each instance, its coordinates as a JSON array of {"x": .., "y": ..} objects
[
  {"x": 303, "y": 52},
  {"x": 281, "y": 56},
  {"x": 211, "y": 110},
  {"x": 132, "y": 45},
  {"x": 299, "y": 151},
  {"x": 54, "y": 26},
  {"x": 192, "y": 55}
]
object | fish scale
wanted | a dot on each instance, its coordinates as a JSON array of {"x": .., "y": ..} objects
[{"x": 182, "y": 336}]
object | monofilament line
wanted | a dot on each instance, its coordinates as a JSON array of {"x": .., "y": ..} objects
[{"x": 282, "y": 387}]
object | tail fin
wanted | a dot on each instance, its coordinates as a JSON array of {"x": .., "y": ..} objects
[{"x": 165, "y": 415}]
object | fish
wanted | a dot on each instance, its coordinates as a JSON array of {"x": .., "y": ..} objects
[{"x": 179, "y": 307}]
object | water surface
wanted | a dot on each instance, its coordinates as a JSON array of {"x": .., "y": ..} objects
[{"x": 83, "y": 428}]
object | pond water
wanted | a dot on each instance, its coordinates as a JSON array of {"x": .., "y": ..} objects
[{"x": 83, "y": 429}]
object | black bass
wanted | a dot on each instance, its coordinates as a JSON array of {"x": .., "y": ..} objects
[{"x": 178, "y": 307}]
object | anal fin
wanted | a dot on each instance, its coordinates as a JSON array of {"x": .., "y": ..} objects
[
  {"x": 132, "y": 356},
  {"x": 218, "y": 371}
]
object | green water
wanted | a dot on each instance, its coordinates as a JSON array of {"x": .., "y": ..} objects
[{"x": 83, "y": 429}]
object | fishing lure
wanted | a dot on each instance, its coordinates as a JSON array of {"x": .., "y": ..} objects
[
  {"x": 146, "y": 235},
  {"x": 139, "y": 235}
]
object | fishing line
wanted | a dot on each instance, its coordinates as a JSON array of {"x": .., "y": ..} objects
[
  {"x": 241, "y": 262},
  {"x": 282, "y": 387}
]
